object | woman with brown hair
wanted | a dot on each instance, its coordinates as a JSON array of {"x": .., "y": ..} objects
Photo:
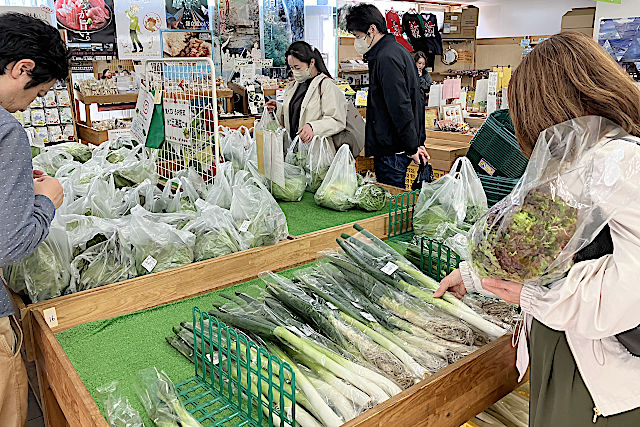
[{"x": 581, "y": 333}]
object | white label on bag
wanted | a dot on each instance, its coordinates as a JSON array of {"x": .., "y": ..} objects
[
  {"x": 367, "y": 316},
  {"x": 331, "y": 306},
  {"x": 389, "y": 268},
  {"x": 245, "y": 226},
  {"x": 356, "y": 305},
  {"x": 149, "y": 263}
]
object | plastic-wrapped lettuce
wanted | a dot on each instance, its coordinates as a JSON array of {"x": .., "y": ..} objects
[
  {"x": 340, "y": 184},
  {"x": 102, "y": 199},
  {"x": 185, "y": 196},
  {"x": 256, "y": 212},
  {"x": 80, "y": 152},
  {"x": 138, "y": 165},
  {"x": 320, "y": 156},
  {"x": 220, "y": 192},
  {"x": 216, "y": 233},
  {"x": 155, "y": 246},
  {"x": 51, "y": 159},
  {"x": 371, "y": 197},
  {"x": 298, "y": 153},
  {"x": 45, "y": 273},
  {"x": 441, "y": 201},
  {"x": 295, "y": 183}
]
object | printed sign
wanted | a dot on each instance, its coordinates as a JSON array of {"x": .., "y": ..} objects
[
  {"x": 138, "y": 25},
  {"x": 176, "y": 122},
  {"x": 142, "y": 118}
]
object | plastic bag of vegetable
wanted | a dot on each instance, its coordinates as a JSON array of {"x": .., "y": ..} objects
[
  {"x": 298, "y": 153},
  {"x": 220, "y": 192},
  {"x": 160, "y": 399},
  {"x": 320, "y": 156},
  {"x": 567, "y": 194},
  {"x": 51, "y": 159},
  {"x": 99, "y": 257},
  {"x": 255, "y": 211},
  {"x": 267, "y": 122},
  {"x": 155, "y": 246},
  {"x": 440, "y": 202},
  {"x": 371, "y": 197},
  {"x": 102, "y": 199},
  {"x": 476, "y": 199},
  {"x": 120, "y": 413},
  {"x": 80, "y": 152},
  {"x": 185, "y": 195},
  {"x": 216, "y": 232},
  {"x": 145, "y": 194},
  {"x": 138, "y": 165},
  {"x": 45, "y": 273},
  {"x": 295, "y": 182},
  {"x": 340, "y": 184}
]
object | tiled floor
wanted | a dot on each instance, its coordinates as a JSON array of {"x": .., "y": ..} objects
[{"x": 34, "y": 414}]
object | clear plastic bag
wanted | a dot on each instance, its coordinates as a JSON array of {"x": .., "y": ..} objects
[
  {"x": 160, "y": 399},
  {"x": 138, "y": 164},
  {"x": 371, "y": 197},
  {"x": 45, "y": 273},
  {"x": 184, "y": 198},
  {"x": 295, "y": 183},
  {"x": 235, "y": 146},
  {"x": 267, "y": 122},
  {"x": 51, "y": 159},
  {"x": 476, "y": 199},
  {"x": 145, "y": 194},
  {"x": 120, "y": 413},
  {"x": 255, "y": 211},
  {"x": 340, "y": 184},
  {"x": 321, "y": 154},
  {"x": 216, "y": 232},
  {"x": 102, "y": 199},
  {"x": 220, "y": 193},
  {"x": 567, "y": 194},
  {"x": 155, "y": 246},
  {"x": 440, "y": 202},
  {"x": 298, "y": 153}
]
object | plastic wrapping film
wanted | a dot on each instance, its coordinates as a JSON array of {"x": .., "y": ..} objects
[
  {"x": 295, "y": 183},
  {"x": 120, "y": 413},
  {"x": 103, "y": 199},
  {"x": 220, "y": 193},
  {"x": 298, "y": 153},
  {"x": 340, "y": 184},
  {"x": 160, "y": 400},
  {"x": 569, "y": 191},
  {"x": 319, "y": 159},
  {"x": 51, "y": 159}
]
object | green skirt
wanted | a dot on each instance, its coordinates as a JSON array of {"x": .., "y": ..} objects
[{"x": 559, "y": 397}]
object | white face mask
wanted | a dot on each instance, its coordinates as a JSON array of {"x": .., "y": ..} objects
[
  {"x": 361, "y": 46},
  {"x": 301, "y": 76}
]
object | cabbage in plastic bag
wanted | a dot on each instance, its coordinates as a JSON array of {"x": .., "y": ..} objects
[
  {"x": 340, "y": 184},
  {"x": 476, "y": 198},
  {"x": 216, "y": 233},
  {"x": 295, "y": 183},
  {"x": 566, "y": 196},
  {"x": 220, "y": 192},
  {"x": 138, "y": 165},
  {"x": 51, "y": 159},
  {"x": 102, "y": 200},
  {"x": 80, "y": 152},
  {"x": 298, "y": 153},
  {"x": 371, "y": 197},
  {"x": 320, "y": 155},
  {"x": 45, "y": 273},
  {"x": 440, "y": 201}
]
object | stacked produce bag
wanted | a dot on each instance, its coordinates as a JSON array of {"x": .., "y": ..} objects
[{"x": 117, "y": 223}]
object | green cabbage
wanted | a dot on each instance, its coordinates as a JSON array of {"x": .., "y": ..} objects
[
  {"x": 336, "y": 196},
  {"x": 168, "y": 256},
  {"x": 371, "y": 197},
  {"x": 295, "y": 182},
  {"x": 100, "y": 264},
  {"x": 316, "y": 178},
  {"x": 80, "y": 152},
  {"x": 213, "y": 244}
]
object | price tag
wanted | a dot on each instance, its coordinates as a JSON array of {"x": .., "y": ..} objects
[
  {"x": 331, "y": 306},
  {"x": 356, "y": 305},
  {"x": 389, "y": 268},
  {"x": 245, "y": 226},
  {"x": 280, "y": 95},
  {"x": 215, "y": 358},
  {"x": 149, "y": 263},
  {"x": 487, "y": 167},
  {"x": 50, "y": 317},
  {"x": 367, "y": 316}
]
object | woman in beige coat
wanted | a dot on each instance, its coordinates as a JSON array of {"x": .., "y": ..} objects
[{"x": 313, "y": 104}]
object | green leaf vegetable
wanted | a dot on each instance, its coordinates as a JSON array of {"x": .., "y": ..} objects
[
  {"x": 80, "y": 152},
  {"x": 295, "y": 182},
  {"x": 522, "y": 244},
  {"x": 213, "y": 244},
  {"x": 371, "y": 197}
]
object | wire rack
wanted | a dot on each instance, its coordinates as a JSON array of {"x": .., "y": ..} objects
[{"x": 189, "y": 100}]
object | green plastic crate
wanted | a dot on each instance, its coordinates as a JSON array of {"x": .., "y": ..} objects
[
  {"x": 496, "y": 188},
  {"x": 218, "y": 395},
  {"x": 494, "y": 149}
]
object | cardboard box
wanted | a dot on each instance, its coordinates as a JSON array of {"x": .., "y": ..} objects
[
  {"x": 586, "y": 31},
  {"x": 448, "y": 136},
  {"x": 443, "y": 156},
  {"x": 578, "y": 18},
  {"x": 451, "y": 28},
  {"x": 470, "y": 17},
  {"x": 454, "y": 17}
]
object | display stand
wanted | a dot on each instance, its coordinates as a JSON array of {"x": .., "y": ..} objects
[{"x": 86, "y": 133}]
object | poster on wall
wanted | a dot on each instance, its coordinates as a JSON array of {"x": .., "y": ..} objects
[
  {"x": 283, "y": 24},
  {"x": 240, "y": 30},
  {"x": 138, "y": 25},
  {"x": 186, "y": 44},
  {"x": 620, "y": 37},
  {"x": 43, "y": 12},
  {"x": 88, "y": 22},
  {"x": 187, "y": 14}
]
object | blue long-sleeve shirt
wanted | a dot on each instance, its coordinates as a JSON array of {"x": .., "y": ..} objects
[{"x": 24, "y": 216}]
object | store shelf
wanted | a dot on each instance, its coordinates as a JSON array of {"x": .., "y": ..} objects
[{"x": 122, "y": 98}]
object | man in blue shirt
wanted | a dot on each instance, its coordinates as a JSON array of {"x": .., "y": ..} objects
[{"x": 33, "y": 57}]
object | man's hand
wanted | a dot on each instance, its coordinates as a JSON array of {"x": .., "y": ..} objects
[
  {"x": 306, "y": 133},
  {"x": 271, "y": 105},
  {"x": 49, "y": 187},
  {"x": 38, "y": 173},
  {"x": 421, "y": 155},
  {"x": 452, "y": 283}
]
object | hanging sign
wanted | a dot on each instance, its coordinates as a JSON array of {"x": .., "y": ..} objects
[
  {"x": 142, "y": 118},
  {"x": 492, "y": 92}
]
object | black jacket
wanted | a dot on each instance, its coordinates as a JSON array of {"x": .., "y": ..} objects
[{"x": 395, "y": 104}]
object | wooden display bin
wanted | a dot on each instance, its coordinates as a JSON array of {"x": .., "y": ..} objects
[{"x": 448, "y": 398}]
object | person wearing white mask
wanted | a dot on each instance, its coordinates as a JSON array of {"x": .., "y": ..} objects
[
  {"x": 313, "y": 104},
  {"x": 395, "y": 131}
]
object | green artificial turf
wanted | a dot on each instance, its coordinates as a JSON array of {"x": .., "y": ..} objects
[
  {"x": 305, "y": 216},
  {"x": 116, "y": 349}
]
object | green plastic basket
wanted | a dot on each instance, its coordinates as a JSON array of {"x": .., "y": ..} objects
[
  {"x": 496, "y": 188},
  {"x": 434, "y": 258},
  {"x": 219, "y": 393},
  {"x": 494, "y": 149}
]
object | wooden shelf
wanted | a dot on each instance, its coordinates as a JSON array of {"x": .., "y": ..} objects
[{"x": 122, "y": 98}]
